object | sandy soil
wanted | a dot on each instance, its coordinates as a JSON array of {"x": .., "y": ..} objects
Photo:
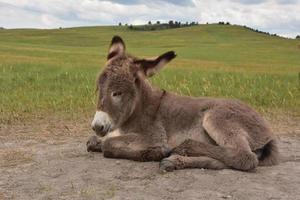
[{"x": 48, "y": 160}]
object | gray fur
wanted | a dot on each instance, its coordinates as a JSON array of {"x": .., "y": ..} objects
[{"x": 183, "y": 132}]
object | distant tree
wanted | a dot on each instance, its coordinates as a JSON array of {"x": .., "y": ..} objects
[
  {"x": 158, "y": 22},
  {"x": 298, "y": 37},
  {"x": 176, "y": 24},
  {"x": 60, "y": 27},
  {"x": 1, "y": 28},
  {"x": 120, "y": 24},
  {"x": 206, "y": 22},
  {"x": 227, "y": 23},
  {"x": 130, "y": 26},
  {"x": 149, "y": 23},
  {"x": 221, "y": 23},
  {"x": 126, "y": 24},
  {"x": 171, "y": 23}
]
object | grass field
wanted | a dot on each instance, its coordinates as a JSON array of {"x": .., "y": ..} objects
[{"x": 52, "y": 72}]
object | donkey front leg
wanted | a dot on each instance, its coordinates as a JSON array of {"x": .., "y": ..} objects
[
  {"x": 94, "y": 144},
  {"x": 133, "y": 147}
]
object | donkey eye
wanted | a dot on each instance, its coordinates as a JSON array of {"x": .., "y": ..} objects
[{"x": 115, "y": 94}]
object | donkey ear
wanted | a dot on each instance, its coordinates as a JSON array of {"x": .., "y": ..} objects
[
  {"x": 117, "y": 47},
  {"x": 151, "y": 67}
]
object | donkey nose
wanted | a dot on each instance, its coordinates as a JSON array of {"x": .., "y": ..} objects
[
  {"x": 98, "y": 128},
  {"x": 101, "y": 123}
]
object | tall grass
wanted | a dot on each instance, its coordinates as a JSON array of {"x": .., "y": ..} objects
[{"x": 52, "y": 72}]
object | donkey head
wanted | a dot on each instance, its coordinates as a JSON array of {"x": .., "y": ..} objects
[{"x": 119, "y": 85}]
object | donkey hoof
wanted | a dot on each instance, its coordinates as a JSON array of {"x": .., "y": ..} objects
[
  {"x": 166, "y": 166},
  {"x": 93, "y": 144}
]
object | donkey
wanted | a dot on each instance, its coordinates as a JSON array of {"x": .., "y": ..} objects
[{"x": 140, "y": 122}]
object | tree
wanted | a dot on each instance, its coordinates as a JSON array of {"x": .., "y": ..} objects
[
  {"x": 158, "y": 22},
  {"x": 149, "y": 23},
  {"x": 298, "y": 37},
  {"x": 171, "y": 23},
  {"x": 130, "y": 27},
  {"x": 176, "y": 24},
  {"x": 120, "y": 24}
]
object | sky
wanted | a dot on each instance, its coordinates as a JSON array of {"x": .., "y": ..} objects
[{"x": 275, "y": 16}]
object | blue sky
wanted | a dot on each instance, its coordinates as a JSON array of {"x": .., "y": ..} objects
[{"x": 275, "y": 16}]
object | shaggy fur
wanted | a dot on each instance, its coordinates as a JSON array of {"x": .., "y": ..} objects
[{"x": 180, "y": 131}]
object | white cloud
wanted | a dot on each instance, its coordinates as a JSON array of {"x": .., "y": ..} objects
[
  {"x": 266, "y": 15},
  {"x": 276, "y": 16}
]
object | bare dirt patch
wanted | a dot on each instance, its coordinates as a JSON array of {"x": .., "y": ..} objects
[{"x": 48, "y": 160}]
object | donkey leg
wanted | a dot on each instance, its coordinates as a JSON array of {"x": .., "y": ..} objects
[
  {"x": 175, "y": 162},
  {"x": 232, "y": 157},
  {"x": 230, "y": 134},
  {"x": 93, "y": 144},
  {"x": 133, "y": 147}
]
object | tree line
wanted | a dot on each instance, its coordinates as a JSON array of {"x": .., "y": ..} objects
[
  {"x": 153, "y": 26},
  {"x": 160, "y": 26}
]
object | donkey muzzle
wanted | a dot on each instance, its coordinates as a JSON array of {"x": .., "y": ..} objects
[{"x": 101, "y": 123}]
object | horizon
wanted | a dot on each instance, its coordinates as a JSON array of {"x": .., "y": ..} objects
[
  {"x": 274, "y": 16},
  {"x": 127, "y": 25}
]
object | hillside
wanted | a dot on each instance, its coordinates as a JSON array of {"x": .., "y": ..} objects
[{"x": 53, "y": 71}]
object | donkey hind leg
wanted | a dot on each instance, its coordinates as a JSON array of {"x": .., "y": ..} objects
[
  {"x": 133, "y": 147},
  {"x": 233, "y": 148},
  {"x": 175, "y": 162},
  {"x": 232, "y": 157},
  {"x": 232, "y": 138}
]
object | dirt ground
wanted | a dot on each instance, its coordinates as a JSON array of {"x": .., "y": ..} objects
[{"x": 48, "y": 160}]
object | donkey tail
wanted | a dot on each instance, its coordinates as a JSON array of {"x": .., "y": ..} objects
[{"x": 269, "y": 155}]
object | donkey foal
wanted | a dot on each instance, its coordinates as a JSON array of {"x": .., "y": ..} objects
[{"x": 140, "y": 122}]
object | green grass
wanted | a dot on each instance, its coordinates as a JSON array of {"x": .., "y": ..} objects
[{"x": 52, "y": 72}]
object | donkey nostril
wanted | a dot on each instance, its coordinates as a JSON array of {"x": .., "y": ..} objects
[{"x": 98, "y": 128}]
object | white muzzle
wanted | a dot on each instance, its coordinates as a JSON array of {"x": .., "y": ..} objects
[{"x": 101, "y": 123}]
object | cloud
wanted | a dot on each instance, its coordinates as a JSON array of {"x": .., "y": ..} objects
[
  {"x": 268, "y": 15},
  {"x": 276, "y": 16},
  {"x": 250, "y": 1},
  {"x": 287, "y": 1},
  {"x": 134, "y": 2}
]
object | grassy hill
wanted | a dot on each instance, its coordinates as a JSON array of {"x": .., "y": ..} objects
[{"x": 52, "y": 72}]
